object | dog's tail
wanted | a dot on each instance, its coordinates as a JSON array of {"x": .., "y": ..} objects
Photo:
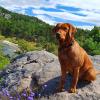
[{"x": 97, "y": 72}]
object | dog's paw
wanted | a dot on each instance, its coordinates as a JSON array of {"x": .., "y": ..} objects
[
  {"x": 60, "y": 90},
  {"x": 73, "y": 90}
]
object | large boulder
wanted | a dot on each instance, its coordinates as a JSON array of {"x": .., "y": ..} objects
[
  {"x": 38, "y": 68},
  {"x": 37, "y": 65}
]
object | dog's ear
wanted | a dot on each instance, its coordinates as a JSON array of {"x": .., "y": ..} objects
[
  {"x": 72, "y": 30},
  {"x": 54, "y": 30}
]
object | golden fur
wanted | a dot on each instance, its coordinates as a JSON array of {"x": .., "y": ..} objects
[{"x": 73, "y": 58}]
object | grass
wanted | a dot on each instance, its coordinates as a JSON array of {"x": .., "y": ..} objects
[
  {"x": 24, "y": 45},
  {"x": 3, "y": 59}
]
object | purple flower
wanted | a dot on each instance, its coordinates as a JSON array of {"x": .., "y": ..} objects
[
  {"x": 11, "y": 98},
  {"x": 18, "y": 99},
  {"x": 39, "y": 95},
  {"x": 45, "y": 85},
  {"x": 30, "y": 98},
  {"x": 32, "y": 94},
  {"x": 3, "y": 90},
  {"x": 7, "y": 94},
  {"x": 24, "y": 94}
]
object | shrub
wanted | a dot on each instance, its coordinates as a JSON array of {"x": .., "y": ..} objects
[
  {"x": 26, "y": 45},
  {"x": 3, "y": 59},
  {"x": 91, "y": 46}
]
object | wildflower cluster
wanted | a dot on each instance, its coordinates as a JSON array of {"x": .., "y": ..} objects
[{"x": 24, "y": 95}]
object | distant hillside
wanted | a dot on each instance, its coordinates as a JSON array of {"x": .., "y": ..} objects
[
  {"x": 22, "y": 26},
  {"x": 33, "y": 29}
]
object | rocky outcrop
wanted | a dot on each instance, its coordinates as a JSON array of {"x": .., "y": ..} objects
[
  {"x": 41, "y": 66},
  {"x": 10, "y": 49},
  {"x": 38, "y": 68}
]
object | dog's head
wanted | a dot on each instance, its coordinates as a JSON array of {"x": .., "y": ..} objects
[{"x": 64, "y": 31}]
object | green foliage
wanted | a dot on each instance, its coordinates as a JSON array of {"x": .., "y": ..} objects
[
  {"x": 95, "y": 34},
  {"x": 52, "y": 48},
  {"x": 23, "y": 29},
  {"x": 26, "y": 45},
  {"x": 90, "y": 40},
  {"x": 22, "y": 26},
  {"x": 3, "y": 59},
  {"x": 23, "y": 44},
  {"x": 91, "y": 47}
]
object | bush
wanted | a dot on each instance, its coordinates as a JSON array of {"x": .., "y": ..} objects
[
  {"x": 51, "y": 47},
  {"x": 3, "y": 59},
  {"x": 92, "y": 47},
  {"x": 26, "y": 45}
]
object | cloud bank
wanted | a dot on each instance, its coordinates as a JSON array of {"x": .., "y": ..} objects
[{"x": 81, "y": 13}]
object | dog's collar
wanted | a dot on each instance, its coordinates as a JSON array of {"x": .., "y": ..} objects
[{"x": 66, "y": 46}]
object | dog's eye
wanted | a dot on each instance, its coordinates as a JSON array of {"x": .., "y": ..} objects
[{"x": 65, "y": 28}]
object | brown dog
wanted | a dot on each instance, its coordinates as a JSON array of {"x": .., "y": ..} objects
[{"x": 73, "y": 59}]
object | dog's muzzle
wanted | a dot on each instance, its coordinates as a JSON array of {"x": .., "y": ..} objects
[{"x": 58, "y": 35}]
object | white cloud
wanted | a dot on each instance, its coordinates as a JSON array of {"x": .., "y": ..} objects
[
  {"x": 83, "y": 4},
  {"x": 9, "y": 4},
  {"x": 46, "y": 19},
  {"x": 86, "y": 27},
  {"x": 89, "y": 8},
  {"x": 22, "y": 11},
  {"x": 90, "y": 16}
]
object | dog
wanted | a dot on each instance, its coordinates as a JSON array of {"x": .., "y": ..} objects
[{"x": 73, "y": 58}]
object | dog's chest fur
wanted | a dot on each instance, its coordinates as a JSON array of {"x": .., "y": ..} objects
[{"x": 70, "y": 57}]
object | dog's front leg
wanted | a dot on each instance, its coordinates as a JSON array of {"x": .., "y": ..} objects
[
  {"x": 62, "y": 80},
  {"x": 74, "y": 80}
]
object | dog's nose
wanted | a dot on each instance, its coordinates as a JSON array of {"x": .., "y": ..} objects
[{"x": 57, "y": 35}]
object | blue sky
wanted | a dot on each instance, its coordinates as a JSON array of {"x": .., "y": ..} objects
[{"x": 81, "y": 13}]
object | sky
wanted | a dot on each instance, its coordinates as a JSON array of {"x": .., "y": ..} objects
[{"x": 81, "y": 13}]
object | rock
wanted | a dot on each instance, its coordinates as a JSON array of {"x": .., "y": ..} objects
[
  {"x": 96, "y": 61},
  {"x": 68, "y": 96},
  {"x": 10, "y": 49},
  {"x": 40, "y": 68},
  {"x": 39, "y": 64}
]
